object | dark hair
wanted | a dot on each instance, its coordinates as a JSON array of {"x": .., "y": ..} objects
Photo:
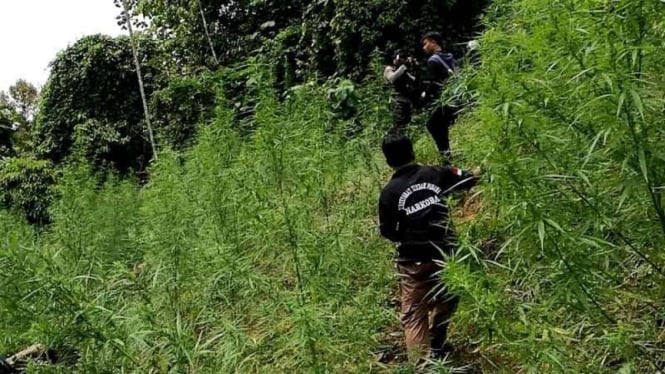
[
  {"x": 433, "y": 35},
  {"x": 398, "y": 150}
]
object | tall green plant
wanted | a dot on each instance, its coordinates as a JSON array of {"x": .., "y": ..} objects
[{"x": 568, "y": 118}]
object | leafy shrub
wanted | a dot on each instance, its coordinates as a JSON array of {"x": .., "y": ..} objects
[
  {"x": 343, "y": 99},
  {"x": 111, "y": 147},
  {"x": 181, "y": 106},
  {"x": 243, "y": 86},
  {"x": 288, "y": 68},
  {"x": 26, "y": 185}
]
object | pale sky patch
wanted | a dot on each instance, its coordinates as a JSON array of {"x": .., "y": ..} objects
[{"x": 33, "y": 31}]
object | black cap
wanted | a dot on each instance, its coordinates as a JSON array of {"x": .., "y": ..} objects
[{"x": 398, "y": 150}]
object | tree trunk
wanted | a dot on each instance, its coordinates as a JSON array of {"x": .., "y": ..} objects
[
  {"x": 205, "y": 27},
  {"x": 140, "y": 77}
]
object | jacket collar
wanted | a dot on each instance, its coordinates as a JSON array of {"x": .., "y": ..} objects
[{"x": 406, "y": 169}]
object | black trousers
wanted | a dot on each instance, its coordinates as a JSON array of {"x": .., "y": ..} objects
[
  {"x": 401, "y": 113},
  {"x": 438, "y": 125}
]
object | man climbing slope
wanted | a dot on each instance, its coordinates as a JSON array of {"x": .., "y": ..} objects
[
  {"x": 413, "y": 214},
  {"x": 440, "y": 67}
]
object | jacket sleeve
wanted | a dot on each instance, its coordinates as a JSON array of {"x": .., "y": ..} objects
[
  {"x": 456, "y": 179},
  {"x": 391, "y": 75},
  {"x": 433, "y": 82},
  {"x": 388, "y": 222}
]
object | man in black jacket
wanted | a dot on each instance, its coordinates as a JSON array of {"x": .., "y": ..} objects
[
  {"x": 413, "y": 214},
  {"x": 440, "y": 67}
]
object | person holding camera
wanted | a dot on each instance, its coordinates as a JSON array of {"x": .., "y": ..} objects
[{"x": 403, "y": 83}]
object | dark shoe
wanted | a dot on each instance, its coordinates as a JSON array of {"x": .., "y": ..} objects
[
  {"x": 5, "y": 368},
  {"x": 443, "y": 352},
  {"x": 447, "y": 157}
]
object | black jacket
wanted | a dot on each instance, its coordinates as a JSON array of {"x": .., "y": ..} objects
[
  {"x": 436, "y": 75},
  {"x": 413, "y": 212}
]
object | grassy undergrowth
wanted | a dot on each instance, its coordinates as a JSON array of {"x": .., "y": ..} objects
[{"x": 246, "y": 253}]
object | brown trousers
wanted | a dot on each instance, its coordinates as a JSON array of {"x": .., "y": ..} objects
[{"x": 426, "y": 307}]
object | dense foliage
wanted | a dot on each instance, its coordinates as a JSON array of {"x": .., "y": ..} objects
[
  {"x": 318, "y": 37},
  {"x": 24, "y": 96},
  {"x": 92, "y": 101},
  {"x": 184, "y": 103},
  {"x": 570, "y": 125},
  {"x": 8, "y": 119},
  {"x": 26, "y": 187}
]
